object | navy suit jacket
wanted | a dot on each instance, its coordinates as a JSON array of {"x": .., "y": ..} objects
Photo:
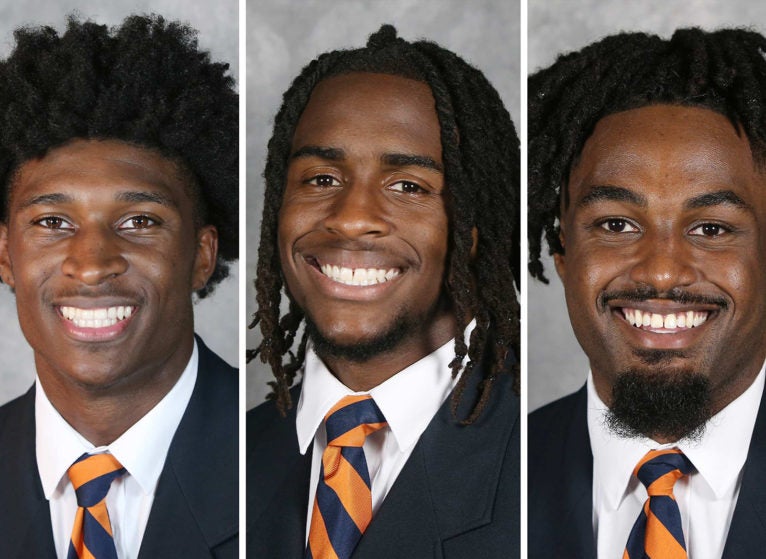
[
  {"x": 457, "y": 496},
  {"x": 194, "y": 515},
  {"x": 560, "y": 493}
]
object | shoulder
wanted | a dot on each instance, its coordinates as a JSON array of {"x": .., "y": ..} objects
[
  {"x": 215, "y": 376},
  {"x": 16, "y": 413},
  {"x": 265, "y": 419}
]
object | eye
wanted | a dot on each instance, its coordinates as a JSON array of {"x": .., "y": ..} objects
[
  {"x": 709, "y": 230},
  {"x": 408, "y": 187},
  {"x": 54, "y": 222},
  {"x": 618, "y": 225},
  {"x": 137, "y": 222},
  {"x": 323, "y": 181}
]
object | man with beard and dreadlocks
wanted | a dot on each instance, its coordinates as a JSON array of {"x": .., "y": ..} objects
[
  {"x": 391, "y": 218},
  {"x": 647, "y": 179}
]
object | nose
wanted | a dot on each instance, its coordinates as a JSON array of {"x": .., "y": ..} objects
[
  {"x": 357, "y": 210},
  {"x": 94, "y": 256},
  {"x": 664, "y": 262}
]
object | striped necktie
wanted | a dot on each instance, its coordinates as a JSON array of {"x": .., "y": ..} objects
[
  {"x": 343, "y": 503},
  {"x": 91, "y": 476},
  {"x": 657, "y": 533}
]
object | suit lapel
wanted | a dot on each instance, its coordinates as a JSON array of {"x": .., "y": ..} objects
[
  {"x": 449, "y": 484},
  {"x": 278, "y": 487},
  {"x": 577, "y": 514},
  {"x": 195, "y": 505},
  {"x": 747, "y": 533},
  {"x": 25, "y": 512}
]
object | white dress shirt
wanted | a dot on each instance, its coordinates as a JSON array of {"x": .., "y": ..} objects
[
  {"x": 705, "y": 498},
  {"x": 141, "y": 450},
  {"x": 408, "y": 401}
]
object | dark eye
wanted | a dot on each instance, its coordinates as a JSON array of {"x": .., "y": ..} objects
[
  {"x": 137, "y": 222},
  {"x": 617, "y": 225},
  {"x": 709, "y": 230},
  {"x": 324, "y": 181},
  {"x": 408, "y": 187},
  {"x": 54, "y": 222}
]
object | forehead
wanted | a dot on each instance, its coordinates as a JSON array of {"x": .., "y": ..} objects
[
  {"x": 90, "y": 170},
  {"x": 370, "y": 107},
  {"x": 665, "y": 147}
]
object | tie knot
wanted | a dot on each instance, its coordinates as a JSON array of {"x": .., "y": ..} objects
[
  {"x": 352, "y": 419},
  {"x": 92, "y": 475},
  {"x": 659, "y": 470}
]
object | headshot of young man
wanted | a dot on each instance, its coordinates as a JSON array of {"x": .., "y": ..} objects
[
  {"x": 119, "y": 190},
  {"x": 647, "y": 182},
  {"x": 390, "y": 226}
]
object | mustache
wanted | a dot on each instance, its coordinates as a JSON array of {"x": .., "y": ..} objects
[
  {"x": 646, "y": 292},
  {"x": 107, "y": 289}
]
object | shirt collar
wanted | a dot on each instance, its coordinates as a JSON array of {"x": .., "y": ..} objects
[
  {"x": 718, "y": 455},
  {"x": 408, "y": 400},
  {"x": 141, "y": 449}
]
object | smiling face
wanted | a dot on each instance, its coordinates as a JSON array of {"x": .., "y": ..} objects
[
  {"x": 363, "y": 226},
  {"x": 665, "y": 239},
  {"x": 101, "y": 249}
]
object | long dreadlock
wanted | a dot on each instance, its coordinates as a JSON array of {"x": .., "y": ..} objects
[
  {"x": 480, "y": 151},
  {"x": 724, "y": 71}
]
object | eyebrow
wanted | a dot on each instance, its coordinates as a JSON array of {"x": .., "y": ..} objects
[
  {"x": 613, "y": 194},
  {"x": 58, "y": 198},
  {"x": 393, "y": 159},
  {"x": 722, "y": 197}
]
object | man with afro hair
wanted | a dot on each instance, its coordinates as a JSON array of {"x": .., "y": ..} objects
[
  {"x": 391, "y": 220},
  {"x": 118, "y": 202},
  {"x": 647, "y": 179}
]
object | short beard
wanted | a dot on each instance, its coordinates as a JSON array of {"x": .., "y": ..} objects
[
  {"x": 362, "y": 351},
  {"x": 662, "y": 404}
]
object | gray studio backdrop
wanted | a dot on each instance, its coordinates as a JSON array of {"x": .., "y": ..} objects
[
  {"x": 283, "y": 36},
  {"x": 556, "y": 364},
  {"x": 217, "y": 23}
]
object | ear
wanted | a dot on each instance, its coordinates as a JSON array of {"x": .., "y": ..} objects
[
  {"x": 559, "y": 258},
  {"x": 205, "y": 257},
  {"x": 475, "y": 243},
  {"x": 6, "y": 270}
]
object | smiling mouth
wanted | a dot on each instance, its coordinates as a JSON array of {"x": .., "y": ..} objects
[
  {"x": 665, "y": 323},
  {"x": 359, "y": 276},
  {"x": 103, "y": 317}
]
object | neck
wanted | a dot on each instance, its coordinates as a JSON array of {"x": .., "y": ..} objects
[{"x": 101, "y": 413}]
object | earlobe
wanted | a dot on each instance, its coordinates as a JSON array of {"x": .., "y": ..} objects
[
  {"x": 6, "y": 272},
  {"x": 206, "y": 256}
]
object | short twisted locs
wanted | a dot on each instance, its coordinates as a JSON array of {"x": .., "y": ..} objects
[
  {"x": 724, "y": 71},
  {"x": 480, "y": 151}
]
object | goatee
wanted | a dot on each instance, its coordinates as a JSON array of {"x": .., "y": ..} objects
[{"x": 665, "y": 405}]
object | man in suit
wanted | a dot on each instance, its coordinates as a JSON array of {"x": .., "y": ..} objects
[
  {"x": 647, "y": 181},
  {"x": 391, "y": 219},
  {"x": 118, "y": 168}
]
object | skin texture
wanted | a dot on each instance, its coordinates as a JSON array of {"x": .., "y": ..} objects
[
  {"x": 75, "y": 237},
  {"x": 365, "y": 190},
  {"x": 667, "y": 199}
]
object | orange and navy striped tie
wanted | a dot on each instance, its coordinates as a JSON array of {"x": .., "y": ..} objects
[
  {"x": 657, "y": 533},
  {"x": 91, "y": 476},
  {"x": 343, "y": 502}
]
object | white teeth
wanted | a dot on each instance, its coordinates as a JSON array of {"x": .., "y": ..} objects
[
  {"x": 359, "y": 276},
  {"x": 96, "y": 318},
  {"x": 673, "y": 321}
]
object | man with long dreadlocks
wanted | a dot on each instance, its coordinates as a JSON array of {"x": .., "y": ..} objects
[
  {"x": 391, "y": 218},
  {"x": 647, "y": 178}
]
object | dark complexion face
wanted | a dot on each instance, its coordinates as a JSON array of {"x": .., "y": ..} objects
[
  {"x": 363, "y": 227},
  {"x": 666, "y": 227},
  {"x": 103, "y": 253}
]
